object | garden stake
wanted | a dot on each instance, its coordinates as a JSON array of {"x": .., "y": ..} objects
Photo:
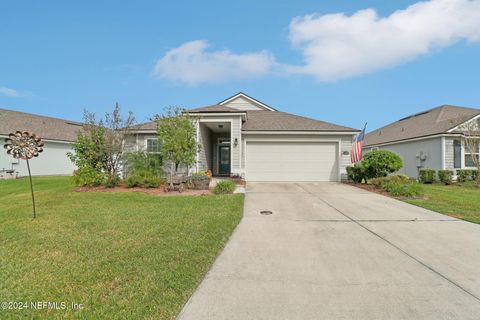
[{"x": 25, "y": 146}]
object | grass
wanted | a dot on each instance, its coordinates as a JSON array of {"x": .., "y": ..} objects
[
  {"x": 120, "y": 255},
  {"x": 460, "y": 201}
]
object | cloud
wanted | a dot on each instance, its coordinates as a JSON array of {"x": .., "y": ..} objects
[
  {"x": 193, "y": 64},
  {"x": 4, "y": 91},
  {"x": 337, "y": 46}
]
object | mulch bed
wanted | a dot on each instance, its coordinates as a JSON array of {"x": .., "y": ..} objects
[{"x": 153, "y": 191}]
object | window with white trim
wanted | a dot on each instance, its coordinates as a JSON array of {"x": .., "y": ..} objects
[
  {"x": 472, "y": 153},
  {"x": 152, "y": 146}
]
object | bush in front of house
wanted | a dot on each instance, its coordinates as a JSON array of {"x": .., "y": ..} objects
[
  {"x": 398, "y": 185},
  {"x": 356, "y": 173},
  {"x": 464, "y": 175},
  {"x": 409, "y": 190},
  {"x": 398, "y": 178},
  {"x": 224, "y": 187},
  {"x": 143, "y": 181},
  {"x": 143, "y": 170},
  {"x": 112, "y": 181},
  {"x": 88, "y": 177},
  {"x": 381, "y": 163},
  {"x": 445, "y": 176},
  {"x": 426, "y": 175}
]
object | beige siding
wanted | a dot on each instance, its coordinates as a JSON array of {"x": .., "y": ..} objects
[
  {"x": 449, "y": 153},
  {"x": 243, "y": 104},
  {"x": 131, "y": 143},
  {"x": 205, "y": 150},
  {"x": 236, "y": 133},
  {"x": 346, "y": 146}
]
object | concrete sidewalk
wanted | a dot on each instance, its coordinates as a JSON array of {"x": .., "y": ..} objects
[{"x": 332, "y": 251}]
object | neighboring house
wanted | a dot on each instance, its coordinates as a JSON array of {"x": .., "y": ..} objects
[
  {"x": 243, "y": 136},
  {"x": 58, "y": 136},
  {"x": 430, "y": 139}
]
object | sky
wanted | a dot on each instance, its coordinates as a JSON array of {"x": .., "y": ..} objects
[{"x": 346, "y": 62}]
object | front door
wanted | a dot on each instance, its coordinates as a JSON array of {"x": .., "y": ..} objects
[{"x": 224, "y": 160}]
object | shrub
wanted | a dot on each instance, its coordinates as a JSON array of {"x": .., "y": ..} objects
[
  {"x": 356, "y": 173},
  {"x": 398, "y": 178},
  {"x": 152, "y": 182},
  {"x": 426, "y": 175},
  {"x": 409, "y": 190},
  {"x": 143, "y": 170},
  {"x": 464, "y": 175},
  {"x": 89, "y": 177},
  {"x": 380, "y": 163},
  {"x": 112, "y": 182},
  {"x": 132, "y": 181},
  {"x": 474, "y": 174},
  {"x": 445, "y": 176},
  {"x": 143, "y": 181},
  {"x": 398, "y": 185},
  {"x": 224, "y": 187}
]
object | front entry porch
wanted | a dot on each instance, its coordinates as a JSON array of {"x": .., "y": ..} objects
[{"x": 215, "y": 150}]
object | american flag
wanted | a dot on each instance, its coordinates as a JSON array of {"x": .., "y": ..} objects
[{"x": 356, "y": 154}]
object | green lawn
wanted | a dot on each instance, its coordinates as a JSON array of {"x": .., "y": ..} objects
[
  {"x": 120, "y": 255},
  {"x": 459, "y": 201}
]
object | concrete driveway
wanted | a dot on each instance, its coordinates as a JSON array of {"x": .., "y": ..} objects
[{"x": 332, "y": 251}]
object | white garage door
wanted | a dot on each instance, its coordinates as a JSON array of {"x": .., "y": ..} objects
[{"x": 291, "y": 161}]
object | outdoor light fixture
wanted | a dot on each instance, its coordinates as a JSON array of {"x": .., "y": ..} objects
[{"x": 235, "y": 142}]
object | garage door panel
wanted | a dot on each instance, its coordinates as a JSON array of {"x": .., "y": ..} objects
[{"x": 291, "y": 161}]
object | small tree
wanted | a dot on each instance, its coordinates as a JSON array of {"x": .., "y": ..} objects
[
  {"x": 100, "y": 145},
  {"x": 471, "y": 132},
  {"x": 176, "y": 135}
]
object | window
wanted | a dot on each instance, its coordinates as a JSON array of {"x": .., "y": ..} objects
[
  {"x": 152, "y": 146},
  {"x": 457, "y": 154},
  {"x": 472, "y": 151}
]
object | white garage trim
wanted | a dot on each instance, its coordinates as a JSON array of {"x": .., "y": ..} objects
[{"x": 335, "y": 142}]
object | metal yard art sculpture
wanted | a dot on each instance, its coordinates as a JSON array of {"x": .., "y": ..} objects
[{"x": 24, "y": 145}]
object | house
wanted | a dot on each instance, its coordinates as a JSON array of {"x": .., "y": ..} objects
[
  {"x": 245, "y": 137},
  {"x": 430, "y": 139},
  {"x": 57, "y": 134}
]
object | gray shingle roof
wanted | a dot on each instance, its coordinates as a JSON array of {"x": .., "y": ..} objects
[
  {"x": 151, "y": 125},
  {"x": 214, "y": 108},
  {"x": 264, "y": 120},
  {"x": 433, "y": 121},
  {"x": 44, "y": 127}
]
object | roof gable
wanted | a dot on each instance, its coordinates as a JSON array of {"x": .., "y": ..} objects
[
  {"x": 243, "y": 102},
  {"x": 427, "y": 123}
]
